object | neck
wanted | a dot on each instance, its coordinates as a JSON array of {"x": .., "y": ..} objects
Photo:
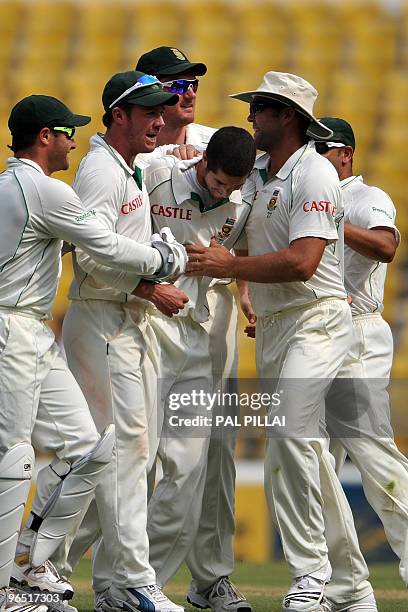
[
  {"x": 280, "y": 154},
  {"x": 345, "y": 173},
  {"x": 172, "y": 135},
  {"x": 36, "y": 157},
  {"x": 120, "y": 145}
]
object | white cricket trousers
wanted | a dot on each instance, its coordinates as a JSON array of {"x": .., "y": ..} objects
[
  {"x": 172, "y": 516},
  {"x": 105, "y": 347},
  {"x": 212, "y": 554},
  {"x": 359, "y": 422},
  {"x": 303, "y": 349},
  {"x": 40, "y": 401}
]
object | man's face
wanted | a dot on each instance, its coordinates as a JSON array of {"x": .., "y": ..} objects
[
  {"x": 142, "y": 126},
  {"x": 181, "y": 113},
  {"x": 221, "y": 185},
  {"x": 60, "y": 147},
  {"x": 266, "y": 124}
]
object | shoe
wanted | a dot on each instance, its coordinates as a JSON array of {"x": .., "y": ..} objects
[
  {"x": 99, "y": 598},
  {"x": 141, "y": 599},
  {"x": 365, "y": 604},
  {"x": 52, "y": 602},
  {"x": 44, "y": 577},
  {"x": 222, "y": 596},
  {"x": 306, "y": 594},
  {"x": 14, "y": 600}
]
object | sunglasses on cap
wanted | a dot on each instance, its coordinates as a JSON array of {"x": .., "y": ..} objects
[
  {"x": 68, "y": 131},
  {"x": 180, "y": 86},
  {"x": 144, "y": 81},
  {"x": 324, "y": 147}
]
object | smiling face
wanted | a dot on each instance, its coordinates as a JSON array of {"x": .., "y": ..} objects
[
  {"x": 182, "y": 113},
  {"x": 59, "y": 149},
  {"x": 141, "y": 126},
  {"x": 267, "y": 125}
]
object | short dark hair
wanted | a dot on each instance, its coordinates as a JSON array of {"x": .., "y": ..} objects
[
  {"x": 107, "y": 118},
  {"x": 20, "y": 142},
  {"x": 232, "y": 150}
]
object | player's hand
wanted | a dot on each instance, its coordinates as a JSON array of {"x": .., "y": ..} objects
[
  {"x": 215, "y": 260},
  {"x": 349, "y": 299},
  {"x": 186, "y": 152},
  {"x": 245, "y": 302},
  {"x": 250, "y": 330},
  {"x": 166, "y": 297}
]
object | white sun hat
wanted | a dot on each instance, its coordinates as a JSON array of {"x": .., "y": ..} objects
[{"x": 292, "y": 90}]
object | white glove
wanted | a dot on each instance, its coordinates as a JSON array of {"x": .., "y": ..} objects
[{"x": 173, "y": 254}]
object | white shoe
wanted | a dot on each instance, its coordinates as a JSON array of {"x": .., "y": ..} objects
[
  {"x": 365, "y": 604},
  {"x": 306, "y": 594},
  {"x": 222, "y": 596},
  {"x": 14, "y": 600},
  {"x": 45, "y": 577},
  {"x": 140, "y": 599}
]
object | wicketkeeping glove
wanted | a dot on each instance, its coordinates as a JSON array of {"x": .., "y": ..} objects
[{"x": 173, "y": 254}]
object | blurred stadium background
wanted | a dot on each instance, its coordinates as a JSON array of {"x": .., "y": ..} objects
[{"x": 354, "y": 51}]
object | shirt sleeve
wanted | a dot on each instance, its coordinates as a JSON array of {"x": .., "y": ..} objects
[
  {"x": 376, "y": 210},
  {"x": 65, "y": 216},
  {"x": 104, "y": 275},
  {"x": 316, "y": 204},
  {"x": 158, "y": 172}
]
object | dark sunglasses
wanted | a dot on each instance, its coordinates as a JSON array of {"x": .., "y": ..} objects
[
  {"x": 68, "y": 131},
  {"x": 180, "y": 86},
  {"x": 258, "y": 107}
]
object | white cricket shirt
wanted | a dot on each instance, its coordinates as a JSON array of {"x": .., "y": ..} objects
[
  {"x": 366, "y": 207},
  {"x": 105, "y": 183},
  {"x": 302, "y": 200},
  {"x": 38, "y": 212},
  {"x": 179, "y": 202}
]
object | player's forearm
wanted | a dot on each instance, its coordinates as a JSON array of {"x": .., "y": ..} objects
[
  {"x": 282, "y": 267},
  {"x": 377, "y": 244}
]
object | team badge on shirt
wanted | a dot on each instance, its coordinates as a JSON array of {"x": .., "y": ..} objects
[
  {"x": 273, "y": 202},
  {"x": 225, "y": 230}
]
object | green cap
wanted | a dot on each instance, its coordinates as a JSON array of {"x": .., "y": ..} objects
[
  {"x": 342, "y": 132},
  {"x": 168, "y": 60},
  {"x": 35, "y": 112},
  {"x": 135, "y": 87}
]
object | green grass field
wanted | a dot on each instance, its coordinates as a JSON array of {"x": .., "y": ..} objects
[{"x": 264, "y": 585}]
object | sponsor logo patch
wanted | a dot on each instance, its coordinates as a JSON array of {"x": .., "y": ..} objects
[
  {"x": 320, "y": 206},
  {"x": 384, "y": 212},
  {"x": 172, "y": 211},
  {"x": 134, "y": 204},
  {"x": 85, "y": 215}
]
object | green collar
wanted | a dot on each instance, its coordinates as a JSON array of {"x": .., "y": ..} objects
[
  {"x": 137, "y": 175},
  {"x": 196, "y": 198},
  {"x": 264, "y": 174}
]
